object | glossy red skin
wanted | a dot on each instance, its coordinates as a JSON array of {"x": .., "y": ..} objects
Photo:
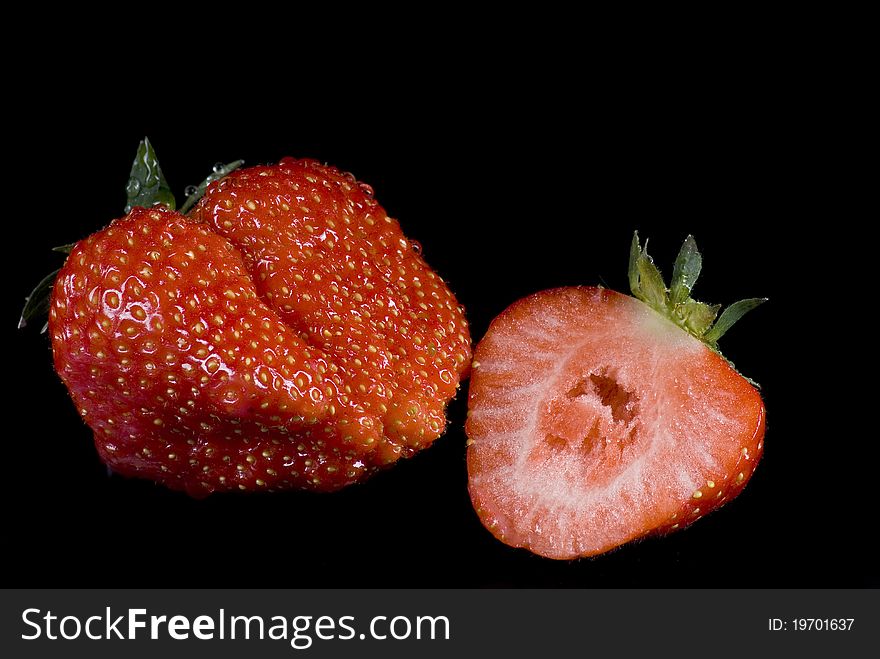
[
  {"x": 189, "y": 378},
  {"x": 336, "y": 268},
  {"x": 505, "y": 362}
]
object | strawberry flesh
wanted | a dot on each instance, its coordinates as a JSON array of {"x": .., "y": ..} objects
[{"x": 593, "y": 420}]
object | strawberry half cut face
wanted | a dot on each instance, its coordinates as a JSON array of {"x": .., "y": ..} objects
[{"x": 595, "y": 420}]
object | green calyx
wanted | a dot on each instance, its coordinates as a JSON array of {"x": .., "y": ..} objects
[
  {"x": 194, "y": 193},
  {"x": 146, "y": 187},
  {"x": 675, "y": 302},
  {"x": 146, "y": 184}
]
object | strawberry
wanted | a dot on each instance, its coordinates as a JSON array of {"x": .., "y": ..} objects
[
  {"x": 328, "y": 259},
  {"x": 596, "y": 418},
  {"x": 287, "y": 335}
]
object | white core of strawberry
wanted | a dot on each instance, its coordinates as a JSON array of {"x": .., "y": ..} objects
[{"x": 602, "y": 433}]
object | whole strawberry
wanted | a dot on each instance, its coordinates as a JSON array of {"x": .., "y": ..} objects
[{"x": 286, "y": 336}]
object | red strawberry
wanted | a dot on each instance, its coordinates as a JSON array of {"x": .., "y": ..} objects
[
  {"x": 195, "y": 372},
  {"x": 596, "y": 418},
  {"x": 328, "y": 259}
]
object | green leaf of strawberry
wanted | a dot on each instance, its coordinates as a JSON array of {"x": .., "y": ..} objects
[
  {"x": 146, "y": 184},
  {"x": 731, "y": 315},
  {"x": 685, "y": 272},
  {"x": 198, "y": 192},
  {"x": 651, "y": 286},
  {"x": 36, "y": 304}
]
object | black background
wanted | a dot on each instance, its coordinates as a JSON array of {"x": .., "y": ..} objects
[{"x": 514, "y": 178}]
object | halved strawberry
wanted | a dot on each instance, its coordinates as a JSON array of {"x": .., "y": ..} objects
[{"x": 596, "y": 418}]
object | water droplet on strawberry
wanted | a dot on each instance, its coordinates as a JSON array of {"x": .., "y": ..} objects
[
  {"x": 190, "y": 190},
  {"x": 416, "y": 246},
  {"x": 366, "y": 189}
]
